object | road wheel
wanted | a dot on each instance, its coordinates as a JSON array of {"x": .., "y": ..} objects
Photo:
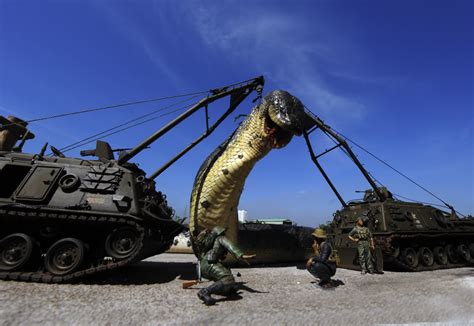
[
  {"x": 395, "y": 250},
  {"x": 122, "y": 243},
  {"x": 463, "y": 252},
  {"x": 425, "y": 255},
  {"x": 440, "y": 255},
  {"x": 15, "y": 251},
  {"x": 452, "y": 254},
  {"x": 65, "y": 256},
  {"x": 410, "y": 257}
]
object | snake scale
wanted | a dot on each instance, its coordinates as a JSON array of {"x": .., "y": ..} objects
[{"x": 220, "y": 180}]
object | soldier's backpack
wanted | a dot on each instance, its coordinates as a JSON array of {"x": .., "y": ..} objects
[{"x": 204, "y": 241}]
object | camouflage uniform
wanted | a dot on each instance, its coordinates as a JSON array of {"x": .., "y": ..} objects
[
  {"x": 365, "y": 256},
  {"x": 212, "y": 269}
]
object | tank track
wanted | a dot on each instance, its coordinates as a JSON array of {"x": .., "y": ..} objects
[
  {"x": 396, "y": 263},
  {"x": 399, "y": 266},
  {"x": 27, "y": 214}
]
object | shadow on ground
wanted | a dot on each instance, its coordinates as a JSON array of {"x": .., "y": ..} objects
[
  {"x": 145, "y": 273},
  {"x": 239, "y": 287},
  {"x": 334, "y": 283},
  {"x": 468, "y": 272}
]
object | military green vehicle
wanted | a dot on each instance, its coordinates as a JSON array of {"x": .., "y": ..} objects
[
  {"x": 275, "y": 243},
  {"x": 409, "y": 236},
  {"x": 62, "y": 218}
]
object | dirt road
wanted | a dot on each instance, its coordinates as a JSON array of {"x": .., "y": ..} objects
[{"x": 150, "y": 293}]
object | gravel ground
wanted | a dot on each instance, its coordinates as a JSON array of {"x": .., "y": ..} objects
[{"x": 150, "y": 293}]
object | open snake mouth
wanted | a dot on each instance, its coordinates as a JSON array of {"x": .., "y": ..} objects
[
  {"x": 284, "y": 117},
  {"x": 278, "y": 137}
]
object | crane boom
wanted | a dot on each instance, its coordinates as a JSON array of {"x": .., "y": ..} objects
[{"x": 237, "y": 94}]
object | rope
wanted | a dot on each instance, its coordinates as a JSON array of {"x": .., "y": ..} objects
[
  {"x": 66, "y": 148},
  {"x": 109, "y": 132},
  {"x": 425, "y": 203},
  {"x": 110, "y": 107},
  {"x": 388, "y": 165},
  {"x": 394, "y": 169},
  {"x": 130, "y": 103},
  {"x": 381, "y": 184},
  {"x": 123, "y": 129}
]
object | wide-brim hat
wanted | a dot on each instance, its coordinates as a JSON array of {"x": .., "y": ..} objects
[
  {"x": 16, "y": 124},
  {"x": 319, "y": 233}
]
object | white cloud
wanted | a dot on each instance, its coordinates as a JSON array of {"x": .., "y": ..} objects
[
  {"x": 285, "y": 48},
  {"x": 140, "y": 37}
]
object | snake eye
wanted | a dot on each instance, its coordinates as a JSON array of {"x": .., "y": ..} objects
[{"x": 286, "y": 111}]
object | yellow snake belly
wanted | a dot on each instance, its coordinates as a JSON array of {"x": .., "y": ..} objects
[{"x": 220, "y": 180}]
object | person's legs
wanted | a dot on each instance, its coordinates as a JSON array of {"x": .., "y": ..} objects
[
  {"x": 370, "y": 265},
  {"x": 223, "y": 285},
  {"x": 321, "y": 271},
  {"x": 362, "y": 258},
  {"x": 205, "y": 293}
]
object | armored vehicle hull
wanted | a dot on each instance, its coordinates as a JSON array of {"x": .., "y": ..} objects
[
  {"x": 408, "y": 236},
  {"x": 274, "y": 244},
  {"x": 63, "y": 218}
]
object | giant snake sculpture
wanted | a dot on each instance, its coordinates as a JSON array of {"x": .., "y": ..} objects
[{"x": 220, "y": 180}]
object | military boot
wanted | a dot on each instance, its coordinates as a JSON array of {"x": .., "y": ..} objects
[
  {"x": 205, "y": 297},
  {"x": 205, "y": 294}
]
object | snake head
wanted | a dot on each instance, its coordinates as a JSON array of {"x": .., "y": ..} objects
[{"x": 285, "y": 116}]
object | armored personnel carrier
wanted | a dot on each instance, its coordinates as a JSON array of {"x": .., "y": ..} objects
[
  {"x": 62, "y": 218},
  {"x": 409, "y": 236}
]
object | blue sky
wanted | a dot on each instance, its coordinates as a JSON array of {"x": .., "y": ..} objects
[{"x": 395, "y": 76}]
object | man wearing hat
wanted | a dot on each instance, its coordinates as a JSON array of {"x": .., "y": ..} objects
[
  {"x": 320, "y": 265},
  {"x": 12, "y": 129},
  {"x": 361, "y": 235}
]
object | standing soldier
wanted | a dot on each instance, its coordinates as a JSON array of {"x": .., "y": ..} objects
[
  {"x": 361, "y": 235},
  {"x": 320, "y": 265},
  {"x": 214, "y": 248}
]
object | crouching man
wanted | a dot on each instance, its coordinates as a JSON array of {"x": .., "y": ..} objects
[
  {"x": 211, "y": 267},
  {"x": 321, "y": 265}
]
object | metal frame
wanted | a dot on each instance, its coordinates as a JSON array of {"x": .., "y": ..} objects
[
  {"x": 340, "y": 142},
  {"x": 237, "y": 94}
]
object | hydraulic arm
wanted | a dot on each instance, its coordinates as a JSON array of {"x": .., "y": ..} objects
[{"x": 237, "y": 93}]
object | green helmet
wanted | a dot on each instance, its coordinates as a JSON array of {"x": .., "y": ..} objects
[{"x": 205, "y": 239}]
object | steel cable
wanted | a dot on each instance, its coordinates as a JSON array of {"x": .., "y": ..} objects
[
  {"x": 82, "y": 141},
  {"x": 128, "y": 104},
  {"x": 390, "y": 166},
  {"x": 123, "y": 129}
]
